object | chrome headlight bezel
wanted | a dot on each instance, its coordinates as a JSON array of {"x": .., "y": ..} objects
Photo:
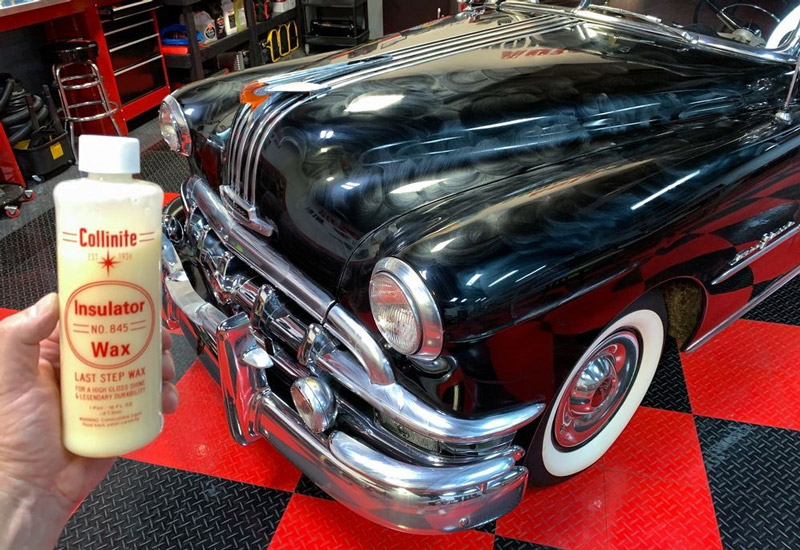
[
  {"x": 422, "y": 303},
  {"x": 173, "y": 126}
]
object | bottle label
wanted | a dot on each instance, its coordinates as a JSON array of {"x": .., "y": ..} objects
[
  {"x": 109, "y": 324},
  {"x": 116, "y": 321}
]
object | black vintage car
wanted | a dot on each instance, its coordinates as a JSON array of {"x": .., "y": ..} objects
[{"x": 435, "y": 266}]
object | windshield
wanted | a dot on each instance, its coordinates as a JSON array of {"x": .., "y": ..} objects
[{"x": 762, "y": 24}]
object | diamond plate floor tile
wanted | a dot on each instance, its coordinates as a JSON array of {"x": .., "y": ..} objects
[
  {"x": 747, "y": 374},
  {"x": 503, "y": 543},
  {"x": 571, "y": 515},
  {"x": 28, "y": 263},
  {"x": 645, "y": 513},
  {"x": 183, "y": 354},
  {"x": 490, "y": 527},
  {"x": 164, "y": 167},
  {"x": 307, "y": 487},
  {"x": 754, "y": 474},
  {"x": 313, "y": 523},
  {"x": 781, "y": 307},
  {"x": 658, "y": 444},
  {"x": 150, "y": 507},
  {"x": 668, "y": 389},
  {"x": 196, "y": 439}
]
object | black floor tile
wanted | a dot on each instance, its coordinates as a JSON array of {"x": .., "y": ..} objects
[
  {"x": 781, "y": 307},
  {"x": 668, "y": 389},
  {"x": 151, "y": 507},
  {"x": 307, "y": 487},
  {"x": 184, "y": 355},
  {"x": 164, "y": 167},
  {"x": 754, "y": 476},
  {"x": 502, "y": 543},
  {"x": 28, "y": 263},
  {"x": 488, "y": 527}
]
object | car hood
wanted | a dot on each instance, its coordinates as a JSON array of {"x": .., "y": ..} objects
[{"x": 335, "y": 168}]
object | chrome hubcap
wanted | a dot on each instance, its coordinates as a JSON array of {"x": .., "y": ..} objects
[{"x": 597, "y": 390}]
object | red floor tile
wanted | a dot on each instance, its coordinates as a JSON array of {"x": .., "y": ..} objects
[
  {"x": 570, "y": 515},
  {"x": 314, "y": 523},
  {"x": 6, "y": 312},
  {"x": 645, "y": 513},
  {"x": 196, "y": 439},
  {"x": 168, "y": 197},
  {"x": 748, "y": 374},
  {"x": 658, "y": 444},
  {"x": 649, "y": 491}
]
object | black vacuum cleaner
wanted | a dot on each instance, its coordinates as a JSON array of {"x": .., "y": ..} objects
[{"x": 34, "y": 130}]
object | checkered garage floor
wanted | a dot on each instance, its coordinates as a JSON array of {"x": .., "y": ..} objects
[{"x": 711, "y": 461}]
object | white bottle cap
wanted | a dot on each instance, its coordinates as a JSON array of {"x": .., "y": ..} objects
[{"x": 108, "y": 154}]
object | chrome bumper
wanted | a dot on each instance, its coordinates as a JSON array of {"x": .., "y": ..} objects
[{"x": 405, "y": 495}]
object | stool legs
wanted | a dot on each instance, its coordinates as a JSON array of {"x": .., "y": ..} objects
[{"x": 91, "y": 80}]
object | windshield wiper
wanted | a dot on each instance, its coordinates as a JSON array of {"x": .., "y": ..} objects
[{"x": 690, "y": 37}]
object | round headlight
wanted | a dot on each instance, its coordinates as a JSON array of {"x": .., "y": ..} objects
[
  {"x": 404, "y": 310},
  {"x": 173, "y": 125}
]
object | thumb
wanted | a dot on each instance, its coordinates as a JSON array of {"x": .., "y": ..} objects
[{"x": 21, "y": 333}]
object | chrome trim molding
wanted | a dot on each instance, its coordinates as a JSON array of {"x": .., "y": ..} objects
[
  {"x": 423, "y": 303},
  {"x": 694, "y": 346},
  {"x": 767, "y": 243}
]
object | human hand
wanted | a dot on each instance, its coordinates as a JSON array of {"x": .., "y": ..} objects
[{"x": 40, "y": 481}]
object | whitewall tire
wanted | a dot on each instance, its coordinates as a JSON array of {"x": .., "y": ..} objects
[{"x": 600, "y": 395}]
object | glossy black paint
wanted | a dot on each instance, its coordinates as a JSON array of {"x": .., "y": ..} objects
[{"x": 539, "y": 186}]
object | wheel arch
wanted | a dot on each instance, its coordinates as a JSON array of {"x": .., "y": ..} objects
[{"x": 686, "y": 302}]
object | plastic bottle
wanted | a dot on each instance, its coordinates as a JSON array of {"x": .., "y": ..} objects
[
  {"x": 229, "y": 13},
  {"x": 206, "y": 26},
  {"x": 108, "y": 228},
  {"x": 241, "y": 17},
  {"x": 219, "y": 20}
]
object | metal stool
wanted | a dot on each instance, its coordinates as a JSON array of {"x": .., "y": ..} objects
[{"x": 78, "y": 55}]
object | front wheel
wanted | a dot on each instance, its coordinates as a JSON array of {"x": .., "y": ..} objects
[{"x": 600, "y": 394}]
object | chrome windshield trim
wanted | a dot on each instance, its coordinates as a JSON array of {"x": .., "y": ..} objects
[{"x": 707, "y": 43}]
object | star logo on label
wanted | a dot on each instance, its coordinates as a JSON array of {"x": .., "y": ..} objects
[{"x": 108, "y": 262}]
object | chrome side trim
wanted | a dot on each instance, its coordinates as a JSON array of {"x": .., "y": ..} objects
[
  {"x": 744, "y": 309},
  {"x": 764, "y": 246}
]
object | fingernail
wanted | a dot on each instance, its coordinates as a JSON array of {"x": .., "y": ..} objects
[{"x": 44, "y": 305}]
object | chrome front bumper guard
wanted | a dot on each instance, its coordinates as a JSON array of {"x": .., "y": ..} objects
[{"x": 410, "y": 497}]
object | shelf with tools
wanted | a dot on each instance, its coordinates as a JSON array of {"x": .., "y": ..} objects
[
  {"x": 185, "y": 61},
  {"x": 249, "y": 38}
]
